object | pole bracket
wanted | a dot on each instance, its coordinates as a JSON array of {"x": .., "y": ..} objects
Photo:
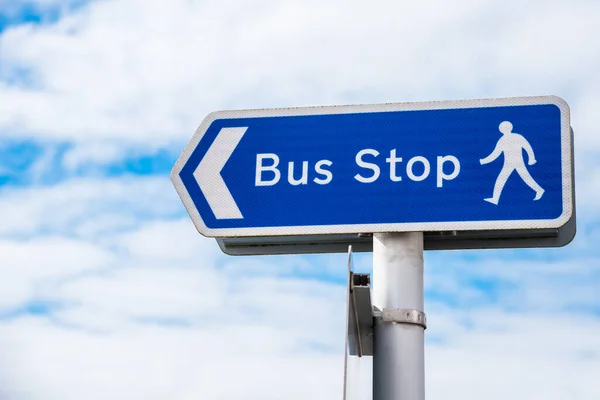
[{"x": 401, "y": 316}]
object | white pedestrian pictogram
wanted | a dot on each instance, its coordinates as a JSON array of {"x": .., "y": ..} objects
[{"x": 512, "y": 145}]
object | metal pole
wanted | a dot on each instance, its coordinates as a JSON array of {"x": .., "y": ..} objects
[{"x": 398, "y": 354}]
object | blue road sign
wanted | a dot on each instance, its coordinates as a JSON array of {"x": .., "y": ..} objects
[{"x": 431, "y": 166}]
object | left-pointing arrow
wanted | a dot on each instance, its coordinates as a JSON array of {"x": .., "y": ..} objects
[{"x": 208, "y": 173}]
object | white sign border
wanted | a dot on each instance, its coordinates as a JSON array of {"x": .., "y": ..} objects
[{"x": 566, "y": 154}]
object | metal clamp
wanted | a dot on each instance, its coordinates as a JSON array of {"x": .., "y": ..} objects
[{"x": 402, "y": 316}]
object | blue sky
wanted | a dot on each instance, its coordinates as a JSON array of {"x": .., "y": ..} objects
[{"x": 108, "y": 291}]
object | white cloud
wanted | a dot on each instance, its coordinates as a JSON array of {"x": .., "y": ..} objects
[
  {"x": 518, "y": 356},
  {"x": 144, "y": 72},
  {"x": 143, "y": 311},
  {"x": 86, "y": 207},
  {"x": 500, "y": 356},
  {"x": 531, "y": 284},
  {"x": 92, "y": 153},
  {"x": 153, "y": 295},
  {"x": 163, "y": 363},
  {"x": 172, "y": 240},
  {"x": 27, "y": 266}
]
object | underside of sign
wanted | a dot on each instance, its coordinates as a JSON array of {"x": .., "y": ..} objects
[{"x": 451, "y": 240}]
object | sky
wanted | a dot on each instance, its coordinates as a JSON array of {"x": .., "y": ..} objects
[{"x": 108, "y": 291}]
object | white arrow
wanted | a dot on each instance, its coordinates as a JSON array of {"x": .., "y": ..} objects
[{"x": 208, "y": 173}]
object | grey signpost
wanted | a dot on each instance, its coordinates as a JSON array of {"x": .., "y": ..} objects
[
  {"x": 398, "y": 344},
  {"x": 394, "y": 179}
]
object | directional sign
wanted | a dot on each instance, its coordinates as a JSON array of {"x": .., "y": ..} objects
[{"x": 433, "y": 166}]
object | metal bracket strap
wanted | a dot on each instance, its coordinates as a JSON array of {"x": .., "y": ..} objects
[{"x": 402, "y": 316}]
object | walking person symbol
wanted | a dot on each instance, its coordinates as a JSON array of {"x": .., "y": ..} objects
[{"x": 512, "y": 145}]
